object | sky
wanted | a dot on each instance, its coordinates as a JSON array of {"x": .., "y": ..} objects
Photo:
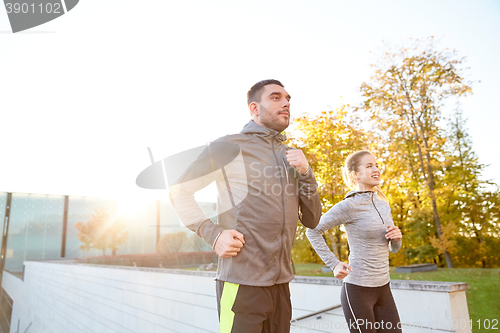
[{"x": 83, "y": 96}]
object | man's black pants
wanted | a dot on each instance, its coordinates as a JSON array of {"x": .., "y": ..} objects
[{"x": 249, "y": 309}]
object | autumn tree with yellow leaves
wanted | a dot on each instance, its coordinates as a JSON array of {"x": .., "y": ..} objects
[
  {"x": 103, "y": 231},
  {"x": 405, "y": 97},
  {"x": 326, "y": 139},
  {"x": 430, "y": 173}
]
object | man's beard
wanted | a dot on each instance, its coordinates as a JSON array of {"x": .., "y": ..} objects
[{"x": 272, "y": 122}]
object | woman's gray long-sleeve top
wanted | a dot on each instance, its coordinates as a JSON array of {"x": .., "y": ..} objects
[{"x": 365, "y": 218}]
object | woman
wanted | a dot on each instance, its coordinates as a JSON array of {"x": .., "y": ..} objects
[{"x": 366, "y": 215}]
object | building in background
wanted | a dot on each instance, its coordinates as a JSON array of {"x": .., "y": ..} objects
[{"x": 41, "y": 227}]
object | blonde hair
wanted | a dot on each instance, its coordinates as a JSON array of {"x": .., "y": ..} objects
[{"x": 351, "y": 164}]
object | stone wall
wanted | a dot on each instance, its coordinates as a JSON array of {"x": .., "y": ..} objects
[{"x": 65, "y": 296}]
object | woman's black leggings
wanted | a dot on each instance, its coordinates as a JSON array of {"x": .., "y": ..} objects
[{"x": 370, "y": 309}]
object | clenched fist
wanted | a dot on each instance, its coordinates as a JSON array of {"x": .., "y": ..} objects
[
  {"x": 341, "y": 270},
  {"x": 229, "y": 243},
  {"x": 298, "y": 160},
  {"x": 393, "y": 232}
]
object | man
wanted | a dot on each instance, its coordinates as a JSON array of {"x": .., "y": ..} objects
[{"x": 263, "y": 185}]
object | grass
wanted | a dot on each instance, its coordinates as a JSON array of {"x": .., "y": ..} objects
[{"x": 483, "y": 295}]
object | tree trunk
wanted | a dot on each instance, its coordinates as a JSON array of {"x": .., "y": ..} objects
[
  {"x": 334, "y": 245},
  {"x": 429, "y": 177},
  {"x": 339, "y": 243},
  {"x": 430, "y": 183}
]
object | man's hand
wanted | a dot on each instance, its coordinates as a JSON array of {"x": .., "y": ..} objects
[
  {"x": 298, "y": 160},
  {"x": 229, "y": 243},
  {"x": 341, "y": 270},
  {"x": 393, "y": 232}
]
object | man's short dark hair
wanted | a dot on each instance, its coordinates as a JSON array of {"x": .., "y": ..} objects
[{"x": 255, "y": 93}]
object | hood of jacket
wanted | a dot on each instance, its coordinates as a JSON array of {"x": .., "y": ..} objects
[
  {"x": 262, "y": 132},
  {"x": 352, "y": 194}
]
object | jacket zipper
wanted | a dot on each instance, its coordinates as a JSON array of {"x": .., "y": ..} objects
[
  {"x": 286, "y": 170},
  {"x": 282, "y": 212},
  {"x": 377, "y": 209}
]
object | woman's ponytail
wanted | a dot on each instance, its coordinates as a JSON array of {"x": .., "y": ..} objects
[{"x": 381, "y": 194}]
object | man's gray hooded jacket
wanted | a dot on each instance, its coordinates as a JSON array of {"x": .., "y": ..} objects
[{"x": 259, "y": 195}]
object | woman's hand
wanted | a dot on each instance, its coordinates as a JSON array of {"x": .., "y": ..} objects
[
  {"x": 394, "y": 233},
  {"x": 341, "y": 270}
]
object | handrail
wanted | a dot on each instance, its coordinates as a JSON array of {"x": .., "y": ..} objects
[{"x": 315, "y": 313}]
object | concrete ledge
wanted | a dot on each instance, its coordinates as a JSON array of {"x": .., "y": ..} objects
[
  {"x": 63, "y": 296},
  {"x": 130, "y": 268},
  {"x": 325, "y": 280},
  {"x": 326, "y": 269},
  {"x": 416, "y": 268},
  {"x": 439, "y": 286}
]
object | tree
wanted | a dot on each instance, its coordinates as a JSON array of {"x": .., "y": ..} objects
[
  {"x": 103, "y": 231},
  {"x": 469, "y": 201},
  {"x": 327, "y": 140},
  {"x": 405, "y": 96},
  {"x": 173, "y": 242},
  {"x": 196, "y": 243}
]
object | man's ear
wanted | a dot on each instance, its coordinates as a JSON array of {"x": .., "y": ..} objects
[{"x": 254, "y": 110}]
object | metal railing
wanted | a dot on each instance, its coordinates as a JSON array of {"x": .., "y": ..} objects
[{"x": 315, "y": 313}]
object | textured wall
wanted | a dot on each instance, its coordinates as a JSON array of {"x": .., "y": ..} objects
[{"x": 68, "y": 297}]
